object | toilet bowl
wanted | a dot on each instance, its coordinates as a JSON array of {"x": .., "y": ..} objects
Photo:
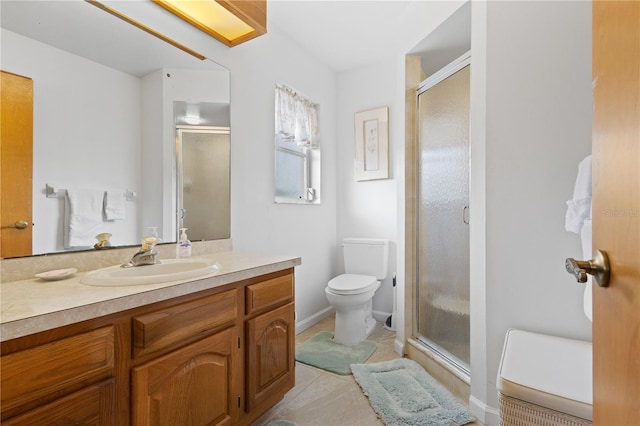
[
  {"x": 351, "y": 294},
  {"x": 352, "y": 297}
]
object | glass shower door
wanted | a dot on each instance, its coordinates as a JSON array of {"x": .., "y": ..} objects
[{"x": 443, "y": 217}]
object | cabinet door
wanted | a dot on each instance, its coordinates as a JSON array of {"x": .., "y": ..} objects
[
  {"x": 195, "y": 385},
  {"x": 270, "y": 355},
  {"x": 92, "y": 406}
]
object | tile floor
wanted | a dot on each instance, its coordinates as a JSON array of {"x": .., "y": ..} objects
[{"x": 326, "y": 399}]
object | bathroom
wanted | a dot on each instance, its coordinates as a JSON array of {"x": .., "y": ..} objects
[{"x": 531, "y": 91}]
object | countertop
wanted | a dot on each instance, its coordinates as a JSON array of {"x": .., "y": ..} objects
[{"x": 34, "y": 305}]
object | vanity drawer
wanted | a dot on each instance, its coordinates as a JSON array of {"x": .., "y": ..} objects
[
  {"x": 269, "y": 293},
  {"x": 50, "y": 369},
  {"x": 93, "y": 405},
  {"x": 172, "y": 326}
]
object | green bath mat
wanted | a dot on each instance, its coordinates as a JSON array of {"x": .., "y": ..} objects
[
  {"x": 322, "y": 352},
  {"x": 280, "y": 423},
  {"x": 403, "y": 394}
]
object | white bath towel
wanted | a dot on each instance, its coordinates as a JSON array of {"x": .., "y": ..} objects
[
  {"x": 83, "y": 218},
  {"x": 579, "y": 206},
  {"x": 114, "y": 205}
]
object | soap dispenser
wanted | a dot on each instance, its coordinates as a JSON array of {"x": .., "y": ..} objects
[
  {"x": 183, "y": 248},
  {"x": 153, "y": 232}
]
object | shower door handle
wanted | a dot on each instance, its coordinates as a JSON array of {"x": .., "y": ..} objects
[
  {"x": 465, "y": 215},
  {"x": 598, "y": 267}
]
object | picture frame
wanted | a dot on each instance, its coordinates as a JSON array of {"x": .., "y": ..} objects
[{"x": 372, "y": 144}]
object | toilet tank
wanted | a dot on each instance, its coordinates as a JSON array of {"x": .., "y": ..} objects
[{"x": 366, "y": 256}]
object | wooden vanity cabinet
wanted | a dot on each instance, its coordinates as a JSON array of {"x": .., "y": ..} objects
[
  {"x": 221, "y": 356},
  {"x": 270, "y": 341}
]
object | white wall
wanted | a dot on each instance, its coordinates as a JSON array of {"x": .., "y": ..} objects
[
  {"x": 531, "y": 125},
  {"x": 257, "y": 223},
  {"x": 76, "y": 140},
  {"x": 368, "y": 208}
]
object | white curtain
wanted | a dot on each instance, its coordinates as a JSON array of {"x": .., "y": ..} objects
[{"x": 296, "y": 117}]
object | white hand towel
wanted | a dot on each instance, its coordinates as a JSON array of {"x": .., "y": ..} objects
[
  {"x": 83, "y": 217},
  {"x": 579, "y": 207},
  {"x": 114, "y": 205}
]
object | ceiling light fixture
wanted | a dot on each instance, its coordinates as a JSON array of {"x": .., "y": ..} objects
[
  {"x": 145, "y": 28},
  {"x": 193, "y": 120},
  {"x": 229, "y": 21}
]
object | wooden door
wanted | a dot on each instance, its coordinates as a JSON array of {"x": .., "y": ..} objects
[
  {"x": 616, "y": 211},
  {"x": 270, "y": 355},
  {"x": 16, "y": 156},
  {"x": 195, "y": 385}
]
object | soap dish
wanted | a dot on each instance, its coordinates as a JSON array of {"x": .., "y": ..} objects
[{"x": 57, "y": 274}]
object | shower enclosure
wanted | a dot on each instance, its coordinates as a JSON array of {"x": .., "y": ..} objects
[{"x": 442, "y": 216}]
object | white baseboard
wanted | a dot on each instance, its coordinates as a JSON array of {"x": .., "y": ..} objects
[
  {"x": 398, "y": 346},
  {"x": 380, "y": 316},
  {"x": 485, "y": 414},
  {"x": 319, "y": 316},
  {"x": 313, "y": 319}
]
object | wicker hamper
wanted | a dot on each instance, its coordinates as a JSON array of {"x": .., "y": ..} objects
[
  {"x": 544, "y": 381},
  {"x": 514, "y": 412}
]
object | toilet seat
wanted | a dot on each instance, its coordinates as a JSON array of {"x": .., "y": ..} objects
[{"x": 346, "y": 284}]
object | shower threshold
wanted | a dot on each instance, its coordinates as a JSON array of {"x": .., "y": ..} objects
[{"x": 442, "y": 358}]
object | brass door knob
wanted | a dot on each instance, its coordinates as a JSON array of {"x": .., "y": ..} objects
[
  {"x": 21, "y": 224},
  {"x": 598, "y": 267}
]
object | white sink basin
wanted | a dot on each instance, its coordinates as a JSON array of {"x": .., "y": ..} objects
[{"x": 167, "y": 270}]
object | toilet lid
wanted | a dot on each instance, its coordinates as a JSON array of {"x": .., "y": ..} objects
[{"x": 352, "y": 283}]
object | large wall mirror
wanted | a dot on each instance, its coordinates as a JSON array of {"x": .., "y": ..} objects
[{"x": 108, "y": 102}]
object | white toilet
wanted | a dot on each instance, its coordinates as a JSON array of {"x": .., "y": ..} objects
[{"x": 366, "y": 262}]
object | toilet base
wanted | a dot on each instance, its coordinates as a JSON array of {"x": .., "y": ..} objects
[
  {"x": 370, "y": 325},
  {"x": 350, "y": 331},
  {"x": 354, "y": 315},
  {"x": 353, "y": 326}
]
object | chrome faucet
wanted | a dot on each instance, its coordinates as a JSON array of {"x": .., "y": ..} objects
[{"x": 146, "y": 255}]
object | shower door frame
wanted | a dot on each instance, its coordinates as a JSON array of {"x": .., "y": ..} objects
[{"x": 441, "y": 354}]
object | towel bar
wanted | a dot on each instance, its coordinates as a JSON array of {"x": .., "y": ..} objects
[{"x": 55, "y": 192}]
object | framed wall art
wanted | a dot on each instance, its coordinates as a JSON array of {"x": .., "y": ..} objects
[{"x": 372, "y": 144}]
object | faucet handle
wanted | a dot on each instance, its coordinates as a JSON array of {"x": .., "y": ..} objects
[{"x": 148, "y": 243}]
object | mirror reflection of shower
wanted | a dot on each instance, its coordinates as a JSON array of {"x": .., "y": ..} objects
[
  {"x": 203, "y": 182},
  {"x": 202, "y": 145}
]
